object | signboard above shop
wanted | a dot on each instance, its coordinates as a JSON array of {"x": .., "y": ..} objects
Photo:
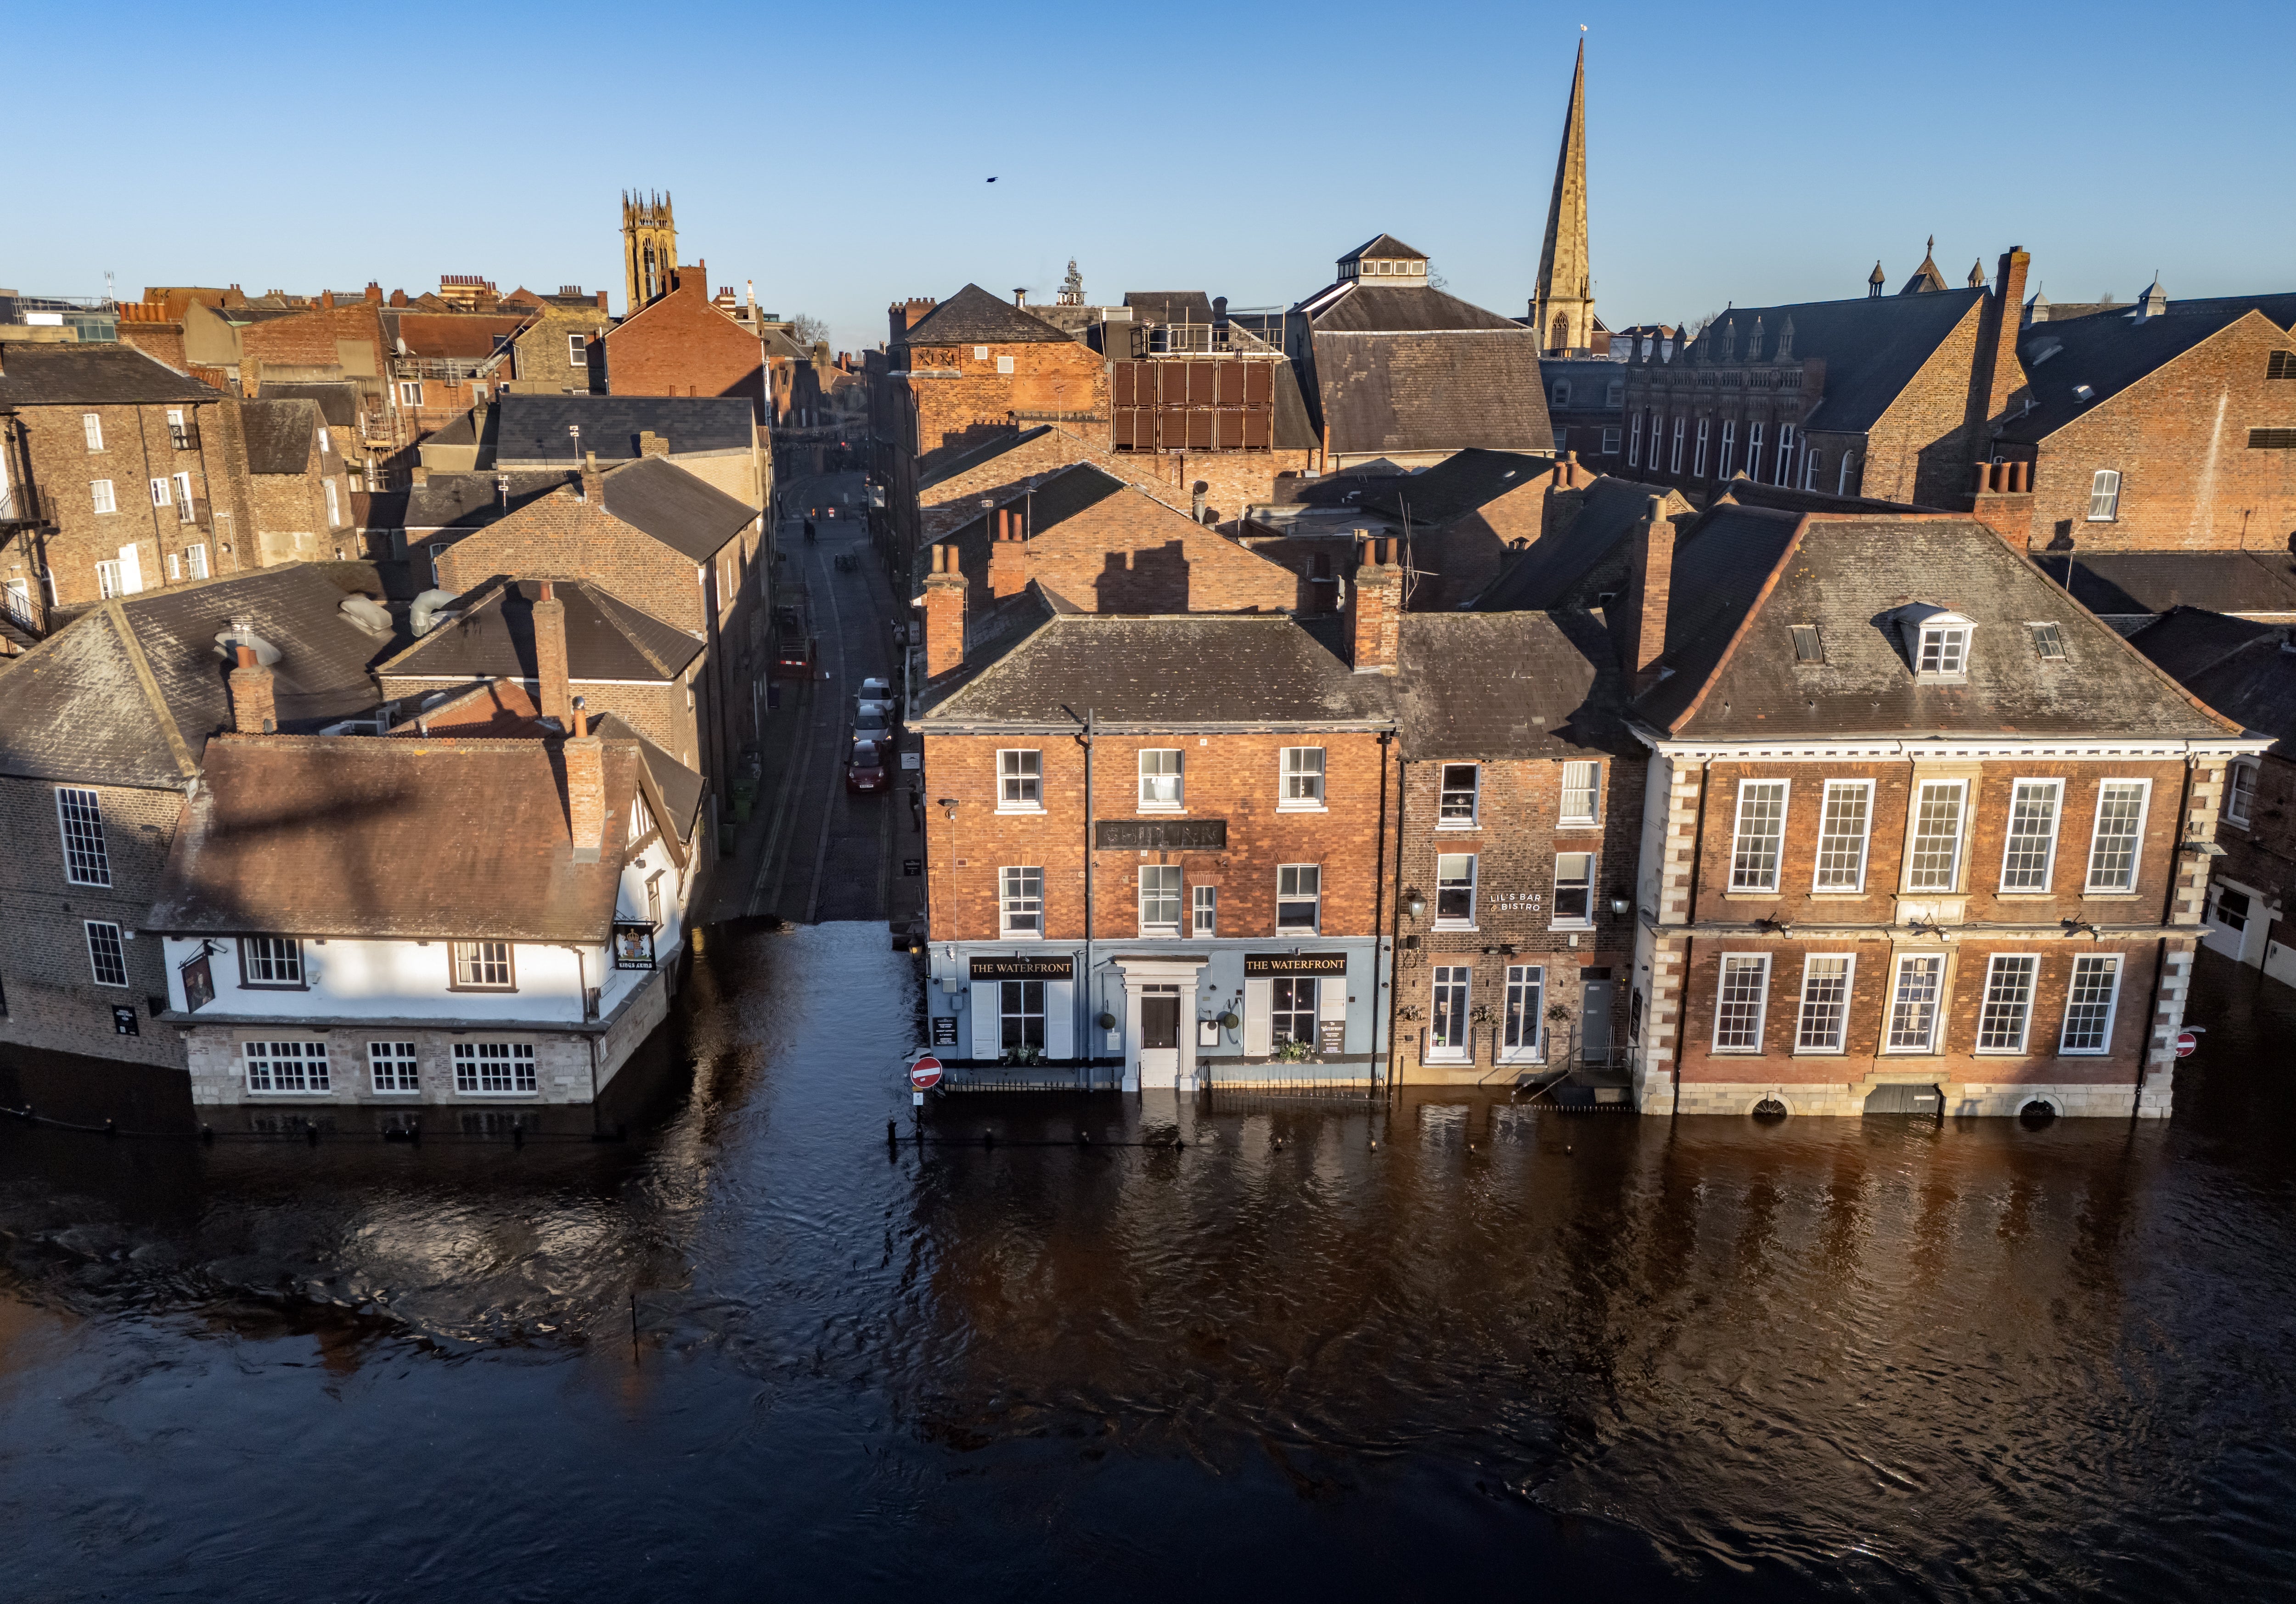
[
  {"x": 1295, "y": 963},
  {"x": 1059, "y": 966},
  {"x": 1159, "y": 835}
]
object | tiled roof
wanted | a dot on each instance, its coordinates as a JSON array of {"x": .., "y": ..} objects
[
  {"x": 2127, "y": 582},
  {"x": 2109, "y": 351},
  {"x": 352, "y": 836},
  {"x": 469, "y": 500},
  {"x": 337, "y": 403},
  {"x": 529, "y": 430},
  {"x": 1458, "y": 484},
  {"x": 1384, "y": 247},
  {"x": 2243, "y": 669},
  {"x": 1871, "y": 345},
  {"x": 1520, "y": 684},
  {"x": 1400, "y": 393},
  {"x": 1392, "y": 309},
  {"x": 66, "y": 374},
  {"x": 1554, "y": 570},
  {"x": 682, "y": 511},
  {"x": 965, "y": 459},
  {"x": 280, "y": 434},
  {"x": 1059, "y": 497},
  {"x": 973, "y": 316},
  {"x": 606, "y": 639},
  {"x": 1743, "y": 575}
]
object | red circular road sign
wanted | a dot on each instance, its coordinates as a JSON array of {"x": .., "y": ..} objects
[
  {"x": 2187, "y": 1043},
  {"x": 924, "y": 1075}
]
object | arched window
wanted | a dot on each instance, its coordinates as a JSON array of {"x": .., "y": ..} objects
[
  {"x": 1674, "y": 462},
  {"x": 1698, "y": 459},
  {"x": 1635, "y": 441},
  {"x": 1561, "y": 338},
  {"x": 1842, "y": 483}
]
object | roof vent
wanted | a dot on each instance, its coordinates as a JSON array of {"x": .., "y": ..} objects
[
  {"x": 369, "y": 616},
  {"x": 424, "y": 615},
  {"x": 2045, "y": 353},
  {"x": 2082, "y": 392}
]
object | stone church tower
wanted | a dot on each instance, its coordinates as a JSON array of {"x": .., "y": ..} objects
[
  {"x": 1562, "y": 306},
  {"x": 649, "y": 251}
]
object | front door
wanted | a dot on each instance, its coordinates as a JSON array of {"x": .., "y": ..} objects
[
  {"x": 1594, "y": 1008},
  {"x": 1159, "y": 1036}
]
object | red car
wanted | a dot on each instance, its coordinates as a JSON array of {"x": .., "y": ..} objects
[{"x": 865, "y": 770}]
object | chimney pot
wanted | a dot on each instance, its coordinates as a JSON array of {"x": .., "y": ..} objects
[
  {"x": 944, "y": 613},
  {"x": 1376, "y": 602},
  {"x": 254, "y": 710}
]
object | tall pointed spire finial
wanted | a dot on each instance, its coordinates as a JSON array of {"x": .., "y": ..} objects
[{"x": 1562, "y": 305}]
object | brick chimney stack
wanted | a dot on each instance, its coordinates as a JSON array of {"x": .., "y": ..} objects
[
  {"x": 944, "y": 613},
  {"x": 552, "y": 692},
  {"x": 1377, "y": 602},
  {"x": 253, "y": 709},
  {"x": 592, "y": 486},
  {"x": 1008, "y": 556},
  {"x": 585, "y": 788},
  {"x": 1641, "y": 627},
  {"x": 1997, "y": 334}
]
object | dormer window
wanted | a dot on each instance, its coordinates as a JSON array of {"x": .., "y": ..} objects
[{"x": 1944, "y": 652}]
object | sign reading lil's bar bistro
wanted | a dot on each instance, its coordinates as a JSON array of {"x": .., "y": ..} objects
[
  {"x": 1048, "y": 968},
  {"x": 1295, "y": 963}
]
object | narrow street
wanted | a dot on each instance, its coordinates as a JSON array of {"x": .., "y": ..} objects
[{"x": 812, "y": 852}]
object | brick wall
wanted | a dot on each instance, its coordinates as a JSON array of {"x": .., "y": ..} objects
[
  {"x": 347, "y": 337},
  {"x": 1064, "y": 376},
  {"x": 2178, "y": 439},
  {"x": 539, "y": 352},
  {"x": 683, "y": 346},
  {"x": 1235, "y": 777},
  {"x": 1132, "y": 555},
  {"x": 1920, "y": 446}
]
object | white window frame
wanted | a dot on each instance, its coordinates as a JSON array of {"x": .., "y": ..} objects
[
  {"x": 1302, "y": 874},
  {"x": 1928, "y": 1043},
  {"x": 101, "y": 496},
  {"x": 187, "y": 504},
  {"x": 1004, "y": 364},
  {"x": 160, "y": 496},
  {"x": 1451, "y": 862},
  {"x": 1526, "y": 983},
  {"x": 1020, "y": 780},
  {"x": 410, "y": 392},
  {"x": 2117, "y": 963},
  {"x": 195, "y": 560},
  {"x": 1743, "y": 880},
  {"x": 1782, "y": 470},
  {"x": 1302, "y": 989},
  {"x": 107, "y": 578},
  {"x": 1674, "y": 457},
  {"x": 1863, "y": 790},
  {"x": 1445, "y": 790},
  {"x": 1952, "y": 638},
  {"x": 471, "y": 966},
  {"x": 1561, "y": 393},
  {"x": 1594, "y": 881},
  {"x": 326, "y": 442},
  {"x": 1960, "y": 788},
  {"x": 394, "y": 1068},
  {"x": 1616, "y": 394},
  {"x": 1698, "y": 454},
  {"x": 80, "y": 828},
  {"x": 91, "y": 425},
  {"x": 2104, "y": 497},
  {"x": 309, "y": 1058},
  {"x": 1177, "y": 802},
  {"x": 2093, "y": 886},
  {"x": 474, "y": 1064},
  {"x": 1588, "y": 775},
  {"x": 1758, "y": 964},
  {"x": 1841, "y": 477},
  {"x": 1611, "y": 442},
  {"x": 334, "y": 503},
  {"x": 1848, "y": 977},
  {"x": 577, "y": 351},
  {"x": 1301, "y": 780},
  {"x": 1013, "y": 998},
  {"x": 100, "y": 948},
  {"x": 2239, "y": 801},
  {"x": 2056, "y": 791},
  {"x": 1459, "y": 1012},
  {"x": 1729, "y": 448},
  {"x": 1998, "y": 967},
  {"x": 1021, "y": 902},
  {"x": 1166, "y": 892},
  {"x": 1809, "y": 467},
  {"x": 1754, "y": 450},
  {"x": 1203, "y": 911},
  {"x": 272, "y": 963},
  {"x": 1633, "y": 440}
]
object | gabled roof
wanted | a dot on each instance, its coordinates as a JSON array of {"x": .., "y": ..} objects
[
  {"x": 1871, "y": 345},
  {"x": 461, "y": 501},
  {"x": 2109, "y": 351},
  {"x": 493, "y": 636},
  {"x": 1926, "y": 279},
  {"x": 130, "y": 692},
  {"x": 1403, "y": 393},
  {"x": 1192, "y": 670},
  {"x": 1170, "y": 305},
  {"x": 1369, "y": 308},
  {"x": 1458, "y": 484},
  {"x": 681, "y": 509},
  {"x": 281, "y": 435},
  {"x": 1860, "y": 580},
  {"x": 2243, "y": 669},
  {"x": 1517, "y": 685},
  {"x": 1553, "y": 571},
  {"x": 337, "y": 403},
  {"x": 1061, "y": 496},
  {"x": 965, "y": 459},
  {"x": 530, "y": 430},
  {"x": 68, "y": 374},
  {"x": 2127, "y": 582},
  {"x": 1384, "y": 247},
  {"x": 353, "y": 836},
  {"x": 973, "y": 316}
]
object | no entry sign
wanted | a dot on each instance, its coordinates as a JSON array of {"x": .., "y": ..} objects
[
  {"x": 2187, "y": 1043},
  {"x": 924, "y": 1075}
]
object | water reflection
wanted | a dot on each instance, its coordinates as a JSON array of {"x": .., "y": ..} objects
[{"x": 1135, "y": 1344}]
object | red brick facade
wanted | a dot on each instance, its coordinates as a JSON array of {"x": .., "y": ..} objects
[
  {"x": 682, "y": 345},
  {"x": 1130, "y": 554}
]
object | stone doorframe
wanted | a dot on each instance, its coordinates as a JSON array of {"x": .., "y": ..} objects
[{"x": 1140, "y": 972}]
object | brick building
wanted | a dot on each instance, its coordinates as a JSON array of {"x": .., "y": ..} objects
[
  {"x": 1519, "y": 813},
  {"x": 559, "y": 350},
  {"x": 442, "y": 363},
  {"x": 717, "y": 438},
  {"x": 1587, "y": 401},
  {"x": 118, "y": 474},
  {"x": 2246, "y": 670},
  {"x": 682, "y": 343},
  {"x": 1885, "y": 396},
  {"x": 1225, "y": 922},
  {"x": 102, "y": 734},
  {"x": 299, "y": 485},
  {"x": 1920, "y": 831},
  {"x": 1584, "y": 560},
  {"x": 2167, "y": 426}
]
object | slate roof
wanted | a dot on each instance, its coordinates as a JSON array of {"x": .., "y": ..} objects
[
  {"x": 973, "y": 316},
  {"x": 1191, "y": 670},
  {"x": 1381, "y": 248},
  {"x": 71, "y": 374},
  {"x": 2110, "y": 351},
  {"x": 1518, "y": 684},
  {"x": 395, "y": 840},
  {"x": 337, "y": 403},
  {"x": 1785, "y": 498},
  {"x": 678, "y": 788},
  {"x": 1170, "y": 306},
  {"x": 461, "y": 501},
  {"x": 79, "y": 708},
  {"x": 530, "y": 429},
  {"x": 2156, "y": 582},
  {"x": 681, "y": 509},
  {"x": 1403, "y": 309},
  {"x": 1400, "y": 393},
  {"x": 966, "y": 459},
  {"x": 1731, "y": 654},
  {"x": 606, "y": 639},
  {"x": 1871, "y": 345},
  {"x": 1058, "y": 498},
  {"x": 2243, "y": 669},
  {"x": 1458, "y": 484},
  {"x": 281, "y": 435},
  {"x": 1552, "y": 571}
]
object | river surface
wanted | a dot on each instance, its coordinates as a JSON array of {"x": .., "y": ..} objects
[{"x": 750, "y": 1353}]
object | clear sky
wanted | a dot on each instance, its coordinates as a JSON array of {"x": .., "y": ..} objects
[{"x": 838, "y": 153}]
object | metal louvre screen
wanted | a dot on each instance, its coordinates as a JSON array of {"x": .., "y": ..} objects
[{"x": 1178, "y": 405}]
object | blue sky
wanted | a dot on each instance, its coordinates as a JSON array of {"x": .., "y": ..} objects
[{"x": 837, "y": 154}]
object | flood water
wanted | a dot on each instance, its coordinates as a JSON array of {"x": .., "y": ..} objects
[{"x": 753, "y": 1354}]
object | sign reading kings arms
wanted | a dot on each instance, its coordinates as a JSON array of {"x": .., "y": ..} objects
[
  {"x": 1062, "y": 968},
  {"x": 1159, "y": 835}
]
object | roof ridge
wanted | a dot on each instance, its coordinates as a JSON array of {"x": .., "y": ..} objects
[
  {"x": 608, "y": 605},
  {"x": 178, "y": 746}
]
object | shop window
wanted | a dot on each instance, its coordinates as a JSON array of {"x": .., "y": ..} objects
[
  {"x": 1019, "y": 1015},
  {"x": 1526, "y": 985},
  {"x": 1446, "y": 1028},
  {"x": 1292, "y": 1011}
]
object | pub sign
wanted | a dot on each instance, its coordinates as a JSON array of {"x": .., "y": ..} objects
[
  {"x": 1295, "y": 963},
  {"x": 633, "y": 946},
  {"x": 1048, "y": 968}
]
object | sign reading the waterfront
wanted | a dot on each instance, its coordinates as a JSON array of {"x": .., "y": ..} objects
[
  {"x": 1295, "y": 963},
  {"x": 1048, "y": 968},
  {"x": 1159, "y": 835}
]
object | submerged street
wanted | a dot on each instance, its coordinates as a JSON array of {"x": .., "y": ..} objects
[{"x": 1116, "y": 1346}]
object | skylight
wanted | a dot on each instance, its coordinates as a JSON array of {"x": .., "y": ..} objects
[{"x": 2048, "y": 642}]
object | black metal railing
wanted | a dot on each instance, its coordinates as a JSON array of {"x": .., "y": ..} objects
[
  {"x": 19, "y": 503},
  {"x": 183, "y": 436}
]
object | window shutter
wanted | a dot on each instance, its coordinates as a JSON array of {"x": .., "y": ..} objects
[
  {"x": 986, "y": 1028},
  {"x": 1257, "y": 996},
  {"x": 1060, "y": 1018}
]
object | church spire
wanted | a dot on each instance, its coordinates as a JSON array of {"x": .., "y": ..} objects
[{"x": 1562, "y": 304}]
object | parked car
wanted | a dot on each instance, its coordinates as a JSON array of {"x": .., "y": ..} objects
[
  {"x": 872, "y": 722},
  {"x": 876, "y": 690},
  {"x": 865, "y": 770}
]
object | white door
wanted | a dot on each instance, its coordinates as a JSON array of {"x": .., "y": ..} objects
[
  {"x": 1159, "y": 1036},
  {"x": 131, "y": 572}
]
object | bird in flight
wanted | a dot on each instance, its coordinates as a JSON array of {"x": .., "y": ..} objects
[{"x": 992, "y": 181}]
